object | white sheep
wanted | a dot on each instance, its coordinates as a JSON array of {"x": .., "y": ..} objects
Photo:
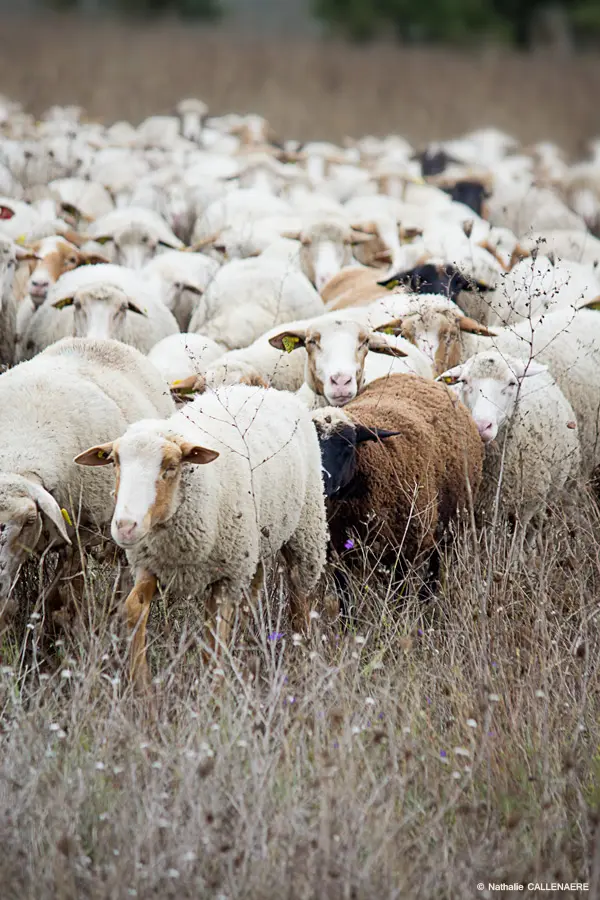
[
  {"x": 539, "y": 285},
  {"x": 238, "y": 209},
  {"x": 528, "y": 427},
  {"x": 181, "y": 356},
  {"x": 50, "y": 409},
  {"x": 10, "y": 256},
  {"x": 100, "y": 301},
  {"x": 133, "y": 235},
  {"x": 249, "y": 296},
  {"x": 205, "y": 496},
  {"x": 185, "y": 277}
]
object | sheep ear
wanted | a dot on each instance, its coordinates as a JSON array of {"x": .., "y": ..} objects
[
  {"x": 592, "y": 304},
  {"x": 192, "y": 289},
  {"x": 473, "y": 327},
  {"x": 359, "y": 237},
  {"x": 48, "y": 505},
  {"x": 24, "y": 254},
  {"x": 93, "y": 259},
  {"x": 392, "y": 282},
  {"x": 372, "y": 434},
  {"x": 62, "y": 304},
  {"x": 525, "y": 369},
  {"x": 102, "y": 455},
  {"x": 133, "y": 307},
  {"x": 378, "y": 344},
  {"x": 193, "y": 384},
  {"x": 288, "y": 340},
  {"x": 194, "y": 453},
  {"x": 451, "y": 376},
  {"x": 204, "y": 242},
  {"x": 394, "y": 328}
]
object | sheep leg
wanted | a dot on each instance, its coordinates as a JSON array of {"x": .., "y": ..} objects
[
  {"x": 220, "y": 609},
  {"x": 137, "y": 608},
  {"x": 299, "y": 601}
]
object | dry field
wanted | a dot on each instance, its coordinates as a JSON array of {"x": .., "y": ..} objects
[
  {"x": 312, "y": 89},
  {"x": 417, "y": 751}
]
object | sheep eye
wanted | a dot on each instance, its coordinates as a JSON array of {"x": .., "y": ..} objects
[
  {"x": 169, "y": 472},
  {"x": 512, "y": 383}
]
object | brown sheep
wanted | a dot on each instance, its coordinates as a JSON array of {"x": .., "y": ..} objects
[
  {"x": 354, "y": 286},
  {"x": 398, "y": 462}
]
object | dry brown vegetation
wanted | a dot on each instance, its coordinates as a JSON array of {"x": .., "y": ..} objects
[
  {"x": 322, "y": 90},
  {"x": 418, "y": 750}
]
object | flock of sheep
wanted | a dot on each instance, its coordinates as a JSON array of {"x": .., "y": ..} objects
[{"x": 245, "y": 357}]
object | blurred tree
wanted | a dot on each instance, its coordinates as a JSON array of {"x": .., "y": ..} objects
[
  {"x": 202, "y": 9},
  {"x": 457, "y": 20}
]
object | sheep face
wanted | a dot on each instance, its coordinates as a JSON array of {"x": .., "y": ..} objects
[
  {"x": 326, "y": 247},
  {"x": 470, "y": 193},
  {"x": 23, "y": 506},
  {"x": 10, "y": 255},
  {"x": 339, "y": 439},
  {"x": 99, "y": 311},
  {"x": 148, "y": 466},
  {"x": 336, "y": 353},
  {"x": 53, "y": 257},
  {"x": 488, "y": 384},
  {"x": 133, "y": 245},
  {"x": 437, "y": 334},
  {"x": 432, "y": 278}
]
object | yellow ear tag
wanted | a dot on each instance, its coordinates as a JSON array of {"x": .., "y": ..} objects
[
  {"x": 101, "y": 454},
  {"x": 390, "y": 285},
  {"x": 448, "y": 379},
  {"x": 289, "y": 343},
  {"x": 594, "y": 306},
  {"x": 21, "y": 239},
  {"x": 176, "y": 382},
  {"x": 66, "y": 517},
  {"x": 389, "y": 331}
]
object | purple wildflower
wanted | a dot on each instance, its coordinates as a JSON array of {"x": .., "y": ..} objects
[
  {"x": 349, "y": 545},
  {"x": 420, "y": 632},
  {"x": 275, "y": 636},
  {"x": 380, "y": 716},
  {"x": 443, "y": 754}
]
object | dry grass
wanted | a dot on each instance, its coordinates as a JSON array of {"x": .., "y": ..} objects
[
  {"x": 308, "y": 89},
  {"x": 457, "y": 743}
]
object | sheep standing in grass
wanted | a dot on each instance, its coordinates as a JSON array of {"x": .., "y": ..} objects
[
  {"x": 528, "y": 427},
  {"x": 50, "y": 409},
  {"x": 205, "y": 496},
  {"x": 399, "y": 462}
]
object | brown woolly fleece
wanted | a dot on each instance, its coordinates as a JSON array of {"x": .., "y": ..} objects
[
  {"x": 354, "y": 286},
  {"x": 407, "y": 488}
]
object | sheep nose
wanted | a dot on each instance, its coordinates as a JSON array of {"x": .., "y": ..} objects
[
  {"x": 486, "y": 429},
  {"x": 341, "y": 380},
  {"x": 126, "y": 528},
  {"x": 39, "y": 283}
]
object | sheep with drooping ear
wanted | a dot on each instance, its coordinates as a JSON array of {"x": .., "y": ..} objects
[
  {"x": 528, "y": 428},
  {"x": 204, "y": 497}
]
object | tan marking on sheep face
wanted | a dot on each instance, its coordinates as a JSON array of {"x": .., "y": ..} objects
[
  {"x": 437, "y": 334},
  {"x": 56, "y": 258},
  {"x": 167, "y": 483}
]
